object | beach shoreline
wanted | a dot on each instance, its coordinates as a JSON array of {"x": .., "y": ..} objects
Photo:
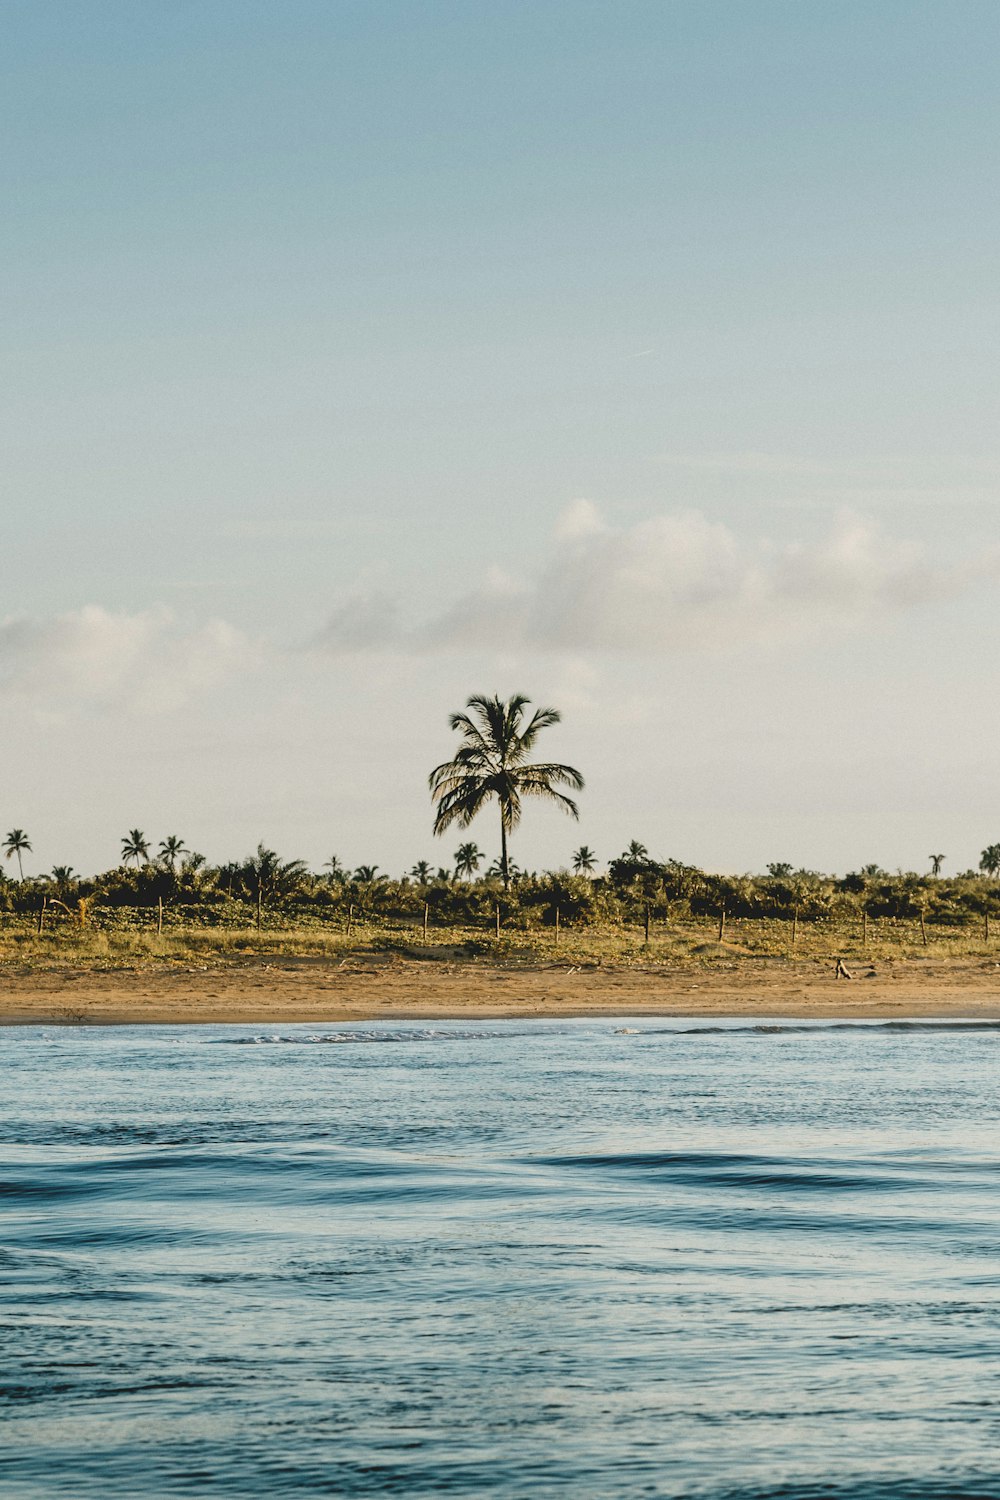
[{"x": 320, "y": 991}]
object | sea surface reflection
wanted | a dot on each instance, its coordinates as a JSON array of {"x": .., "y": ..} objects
[{"x": 581, "y": 1259}]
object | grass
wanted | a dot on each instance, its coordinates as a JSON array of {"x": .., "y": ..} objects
[{"x": 130, "y": 943}]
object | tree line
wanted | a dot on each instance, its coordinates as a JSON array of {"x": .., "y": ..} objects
[{"x": 493, "y": 764}]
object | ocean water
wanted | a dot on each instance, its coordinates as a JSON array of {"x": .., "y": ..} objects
[{"x": 587, "y": 1259}]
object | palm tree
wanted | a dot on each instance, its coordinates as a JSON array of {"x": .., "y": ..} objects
[
  {"x": 636, "y": 853},
  {"x": 264, "y": 875},
  {"x": 780, "y": 870},
  {"x": 171, "y": 850},
  {"x": 135, "y": 846},
  {"x": 492, "y": 761},
  {"x": 989, "y": 861},
  {"x": 17, "y": 843},
  {"x": 367, "y": 875},
  {"x": 421, "y": 871},
  {"x": 584, "y": 860},
  {"x": 63, "y": 877},
  {"x": 337, "y": 872},
  {"x": 468, "y": 858},
  {"x": 937, "y": 860}
]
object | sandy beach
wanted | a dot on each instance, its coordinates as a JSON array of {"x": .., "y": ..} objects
[{"x": 290, "y": 990}]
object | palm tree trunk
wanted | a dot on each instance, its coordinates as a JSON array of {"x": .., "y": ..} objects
[
  {"x": 20, "y": 868},
  {"x": 504, "y": 866}
]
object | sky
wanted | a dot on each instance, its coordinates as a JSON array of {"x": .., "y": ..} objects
[{"x": 360, "y": 355}]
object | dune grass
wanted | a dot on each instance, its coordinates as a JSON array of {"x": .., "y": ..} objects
[{"x": 688, "y": 943}]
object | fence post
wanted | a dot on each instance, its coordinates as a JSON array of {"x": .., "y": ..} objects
[
  {"x": 722, "y": 921},
  {"x": 425, "y": 921},
  {"x": 647, "y": 924},
  {"x": 41, "y": 912},
  {"x": 557, "y": 927},
  {"x": 795, "y": 924},
  {"x": 923, "y": 930},
  {"x": 159, "y": 915},
  {"x": 350, "y": 919},
  {"x": 498, "y": 918},
  {"x": 864, "y": 927}
]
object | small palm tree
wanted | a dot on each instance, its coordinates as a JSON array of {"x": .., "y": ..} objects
[
  {"x": 989, "y": 861},
  {"x": 367, "y": 874},
  {"x": 636, "y": 853},
  {"x": 265, "y": 876},
  {"x": 584, "y": 860},
  {"x": 63, "y": 877},
  {"x": 421, "y": 871},
  {"x": 937, "y": 860},
  {"x": 468, "y": 858},
  {"x": 171, "y": 850},
  {"x": 135, "y": 847},
  {"x": 780, "y": 870},
  {"x": 492, "y": 761},
  {"x": 17, "y": 843},
  {"x": 337, "y": 872}
]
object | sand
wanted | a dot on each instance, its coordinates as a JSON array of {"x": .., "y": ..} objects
[{"x": 386, "y": 987}]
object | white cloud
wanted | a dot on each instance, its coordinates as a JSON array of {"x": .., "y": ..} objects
[
  {"x": 146, "y": 661},
  {"x": 674, "y": 581}
]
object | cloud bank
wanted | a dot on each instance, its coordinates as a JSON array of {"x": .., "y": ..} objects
[
  {"x": 671, "y": 583},
  {"x": 676, "y": 581},
  {"x": 145, "y": 661}
]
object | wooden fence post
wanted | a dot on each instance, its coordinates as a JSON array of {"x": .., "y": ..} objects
[
  {"x": 923, "y": 930},
  {"x": 41, "y": 912},
  {"x": 350, "y": 919},
  {"x": 795, "y": 924},
  {"x": 557, "y": 927},
  {"x": 722, "y": 921},
  {"x": 425, "y": 921},
  {"x": 159, "y": 915},
  {"x": 864, "y": 927},
  {"x": 498, "y": 918}
]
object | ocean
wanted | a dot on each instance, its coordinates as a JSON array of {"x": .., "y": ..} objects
[{"x": 591, "y": 1259}]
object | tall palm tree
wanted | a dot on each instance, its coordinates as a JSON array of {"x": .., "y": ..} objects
[
  {"x": 468, "y": 858},
  {"x": 584, "y": 860},
  {"x": 937, "y": 860},
  {"x": 171, "y": 850},
  {"x": 492, "y": 761},
  {"x": 636, "y": 853},
  {"x": 337, "y": 872},
  {"x": 17, "y": 843},
  {"x": 421, "y": 871},
  {"x": 135, "y": 846}
]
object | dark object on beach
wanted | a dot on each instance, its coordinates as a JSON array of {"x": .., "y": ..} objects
[{"x": 842, "y": 971}]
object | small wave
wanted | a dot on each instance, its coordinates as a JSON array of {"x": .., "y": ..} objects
[
  {"x": 818, "y": 1028},
  {"x": 359, "y": 1038}
]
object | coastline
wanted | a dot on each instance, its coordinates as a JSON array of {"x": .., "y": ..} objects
[{"x": 293, "y": 990}]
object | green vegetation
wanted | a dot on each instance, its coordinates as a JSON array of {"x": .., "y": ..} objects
[{"x": 177, "y": 907}]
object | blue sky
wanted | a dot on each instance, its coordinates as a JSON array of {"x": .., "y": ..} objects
[{"x": 323, "y": 320}]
